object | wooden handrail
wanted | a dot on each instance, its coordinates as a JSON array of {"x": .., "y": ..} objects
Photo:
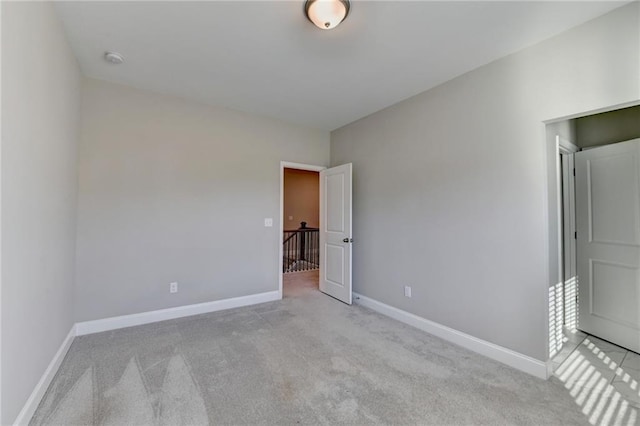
[{"x": 304, "y": 248}]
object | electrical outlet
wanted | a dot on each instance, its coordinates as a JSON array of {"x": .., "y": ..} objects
[
  {"x": 268, "y": 222},
  {"x": 173, "y": 287},
  {"x": 407, "y": 291}
]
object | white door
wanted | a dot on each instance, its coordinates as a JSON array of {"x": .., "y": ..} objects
[
  {"x": 335, "y": 232},
  {"x": 608, "y": 249}
]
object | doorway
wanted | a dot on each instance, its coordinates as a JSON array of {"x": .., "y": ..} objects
[
  {"x": 594, "y": 253},
  {"x": 299, "y": 228},
  {"x": 595, "y": 200},
  {"x": 301, "y": 231},
  {"x": 334, "y": 253}
]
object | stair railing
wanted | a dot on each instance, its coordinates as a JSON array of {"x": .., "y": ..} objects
[{"x": 300, "y": 249}]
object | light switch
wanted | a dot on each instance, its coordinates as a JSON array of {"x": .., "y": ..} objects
[{"x": 268, "y": 222}]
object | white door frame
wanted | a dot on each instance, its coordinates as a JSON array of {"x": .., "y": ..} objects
[
  {"x": 297, "y": 166},
  {"x": 563, "y": 147},
  {"x": 556, "y": 295}
]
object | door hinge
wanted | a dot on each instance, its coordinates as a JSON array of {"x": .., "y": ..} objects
[
  {"x": 575, "y": 235},
  {"x": 574, "y": 171}
]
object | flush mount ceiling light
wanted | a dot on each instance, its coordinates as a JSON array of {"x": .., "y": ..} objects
[
  {"x": 326, "y": 14},
  {"x": 113, "y": 58}
]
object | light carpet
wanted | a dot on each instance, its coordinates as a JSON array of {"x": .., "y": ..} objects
[{"x": 307, "y": 359}]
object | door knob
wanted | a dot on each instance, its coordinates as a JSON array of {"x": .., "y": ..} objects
[{"x": 347, "y": 240}]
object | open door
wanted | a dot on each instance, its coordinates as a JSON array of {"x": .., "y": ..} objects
[
  {"x": 335, "y": 232},
  {"x": 608, "y": 248}
]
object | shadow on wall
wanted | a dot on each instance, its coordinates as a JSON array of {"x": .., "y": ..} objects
[{"x": 608, "y": 127}]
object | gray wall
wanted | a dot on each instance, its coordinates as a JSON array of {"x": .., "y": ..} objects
[
  {"x": 172, "y": 190},
  {"x": 40, "y": 100},
  {"x": 609, "y": 127},
  {"x": 451, "y": 189}
]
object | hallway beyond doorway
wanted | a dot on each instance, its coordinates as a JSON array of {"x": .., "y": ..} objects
[{"x": 296, "y": 284}]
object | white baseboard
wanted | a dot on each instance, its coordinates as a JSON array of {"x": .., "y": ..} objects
[
  {"x": 506, "y": 356},
  {"x": 38, "y": 392},
  {"x": 113, "y": 323}
]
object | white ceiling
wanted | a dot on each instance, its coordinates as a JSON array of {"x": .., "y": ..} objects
[{"x": 265, "y": 58}]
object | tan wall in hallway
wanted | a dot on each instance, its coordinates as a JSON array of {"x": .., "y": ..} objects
[{"x": 301, "y": 198}]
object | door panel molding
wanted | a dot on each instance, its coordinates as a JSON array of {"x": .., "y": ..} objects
[
  {"x": 335, "y": 232},
  {"x": 608, "y": 242}
]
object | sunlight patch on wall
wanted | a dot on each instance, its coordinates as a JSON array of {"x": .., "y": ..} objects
[
  {"x": 563, "y": 313},
  {"x": 556, "y": 319},
  {"x": 571, "y": 304}
]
